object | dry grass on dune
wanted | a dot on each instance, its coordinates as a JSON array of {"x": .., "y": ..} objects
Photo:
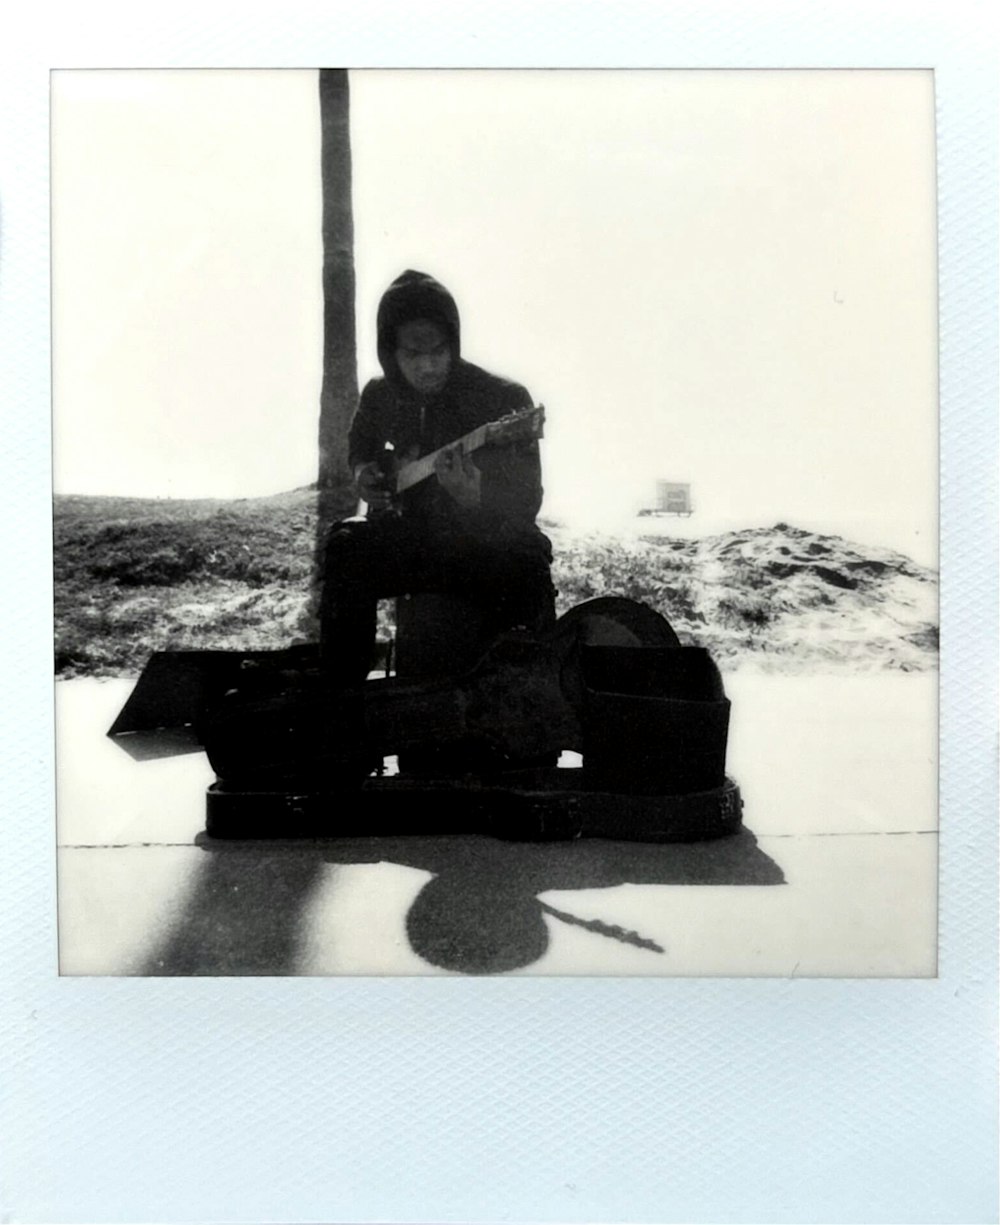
[
  {"x": 775, "y": 598},
  {"x": 136, "y": 575},
  {"x": 133, "y": 576}
]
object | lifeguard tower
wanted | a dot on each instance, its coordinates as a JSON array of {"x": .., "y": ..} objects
[{"x": 672, "y": 498}]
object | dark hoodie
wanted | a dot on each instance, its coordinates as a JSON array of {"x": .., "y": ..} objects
[{"x": 391, "y": 411}]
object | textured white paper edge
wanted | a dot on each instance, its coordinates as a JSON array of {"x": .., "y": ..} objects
[{"x": 525, "y": 1100}]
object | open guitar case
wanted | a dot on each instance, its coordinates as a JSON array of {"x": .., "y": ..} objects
[{"x": 611, "y": 682}]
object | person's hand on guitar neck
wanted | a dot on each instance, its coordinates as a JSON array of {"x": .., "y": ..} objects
[{"x": 459, "y": 476}]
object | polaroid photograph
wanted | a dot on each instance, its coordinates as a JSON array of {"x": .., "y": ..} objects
[
  {"x": 502, "y": 656},
  {"x": 718, "y": 756}
]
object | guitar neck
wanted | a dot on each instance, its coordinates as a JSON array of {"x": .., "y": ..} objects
[{"x": 420, "y": 469}]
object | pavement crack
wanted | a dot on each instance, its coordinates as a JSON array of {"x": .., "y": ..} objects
[
  {"x": 118, "y": 846},
  {"x": 854, "y": 833}
]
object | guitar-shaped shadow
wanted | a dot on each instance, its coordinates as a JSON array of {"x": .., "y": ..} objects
[{"x": 481, "y": 912}]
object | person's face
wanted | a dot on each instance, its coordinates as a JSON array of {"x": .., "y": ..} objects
[{"x": 423, "y": 355}]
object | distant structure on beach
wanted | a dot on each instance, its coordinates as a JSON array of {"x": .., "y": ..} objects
[{"x": 672, "y": 498}]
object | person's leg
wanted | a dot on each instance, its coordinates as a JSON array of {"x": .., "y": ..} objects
[
  {"x": 370, "y": 559},
  {"x": 364, "y": 561},
  {"x": 513, "y": 587}
]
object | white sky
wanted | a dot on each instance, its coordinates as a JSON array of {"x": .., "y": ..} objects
[{"x": 727, "y": 278}]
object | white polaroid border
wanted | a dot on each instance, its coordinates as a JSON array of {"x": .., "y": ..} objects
[{"x": 361, "y": 1100}]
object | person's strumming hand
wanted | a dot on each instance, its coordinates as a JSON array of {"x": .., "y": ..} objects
[
  {"x": 458, "y": 476},
  {"x": 371, "y": 483}
]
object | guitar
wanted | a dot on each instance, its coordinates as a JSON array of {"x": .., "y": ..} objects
[{"x": 524, "y": 425}]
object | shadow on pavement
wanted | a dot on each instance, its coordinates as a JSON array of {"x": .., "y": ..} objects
[
  {"x": 480, "y": 914},
  {"x": 243, "y": 915}
]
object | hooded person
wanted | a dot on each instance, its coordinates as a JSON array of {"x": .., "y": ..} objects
[{"x": 469, "y": 528}]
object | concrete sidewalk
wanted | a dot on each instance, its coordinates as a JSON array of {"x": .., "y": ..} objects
[{"x": 834, "y": 875}]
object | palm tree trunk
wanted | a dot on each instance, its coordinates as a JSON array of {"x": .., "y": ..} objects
[{"x": 336, "y": 498}]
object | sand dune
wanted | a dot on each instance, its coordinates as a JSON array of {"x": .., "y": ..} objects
[
  {"x": 137, "y": 575},
  {"x": 778, "y": 598}
]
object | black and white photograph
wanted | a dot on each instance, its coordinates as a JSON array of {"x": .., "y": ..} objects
[
  {"x": 495, "y": 522},
  {"x": 500, "y": 707}
]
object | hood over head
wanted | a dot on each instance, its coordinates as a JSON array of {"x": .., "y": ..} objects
[{"x": 414, "y": 295}]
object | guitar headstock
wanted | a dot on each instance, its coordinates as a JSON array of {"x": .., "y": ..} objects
[{"x": 525, "y": 424}]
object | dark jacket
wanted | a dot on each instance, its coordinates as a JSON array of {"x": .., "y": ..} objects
[{"x": 391, "y": 411}]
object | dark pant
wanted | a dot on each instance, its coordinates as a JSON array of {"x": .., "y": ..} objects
[{"x": 372, "y": 559}]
